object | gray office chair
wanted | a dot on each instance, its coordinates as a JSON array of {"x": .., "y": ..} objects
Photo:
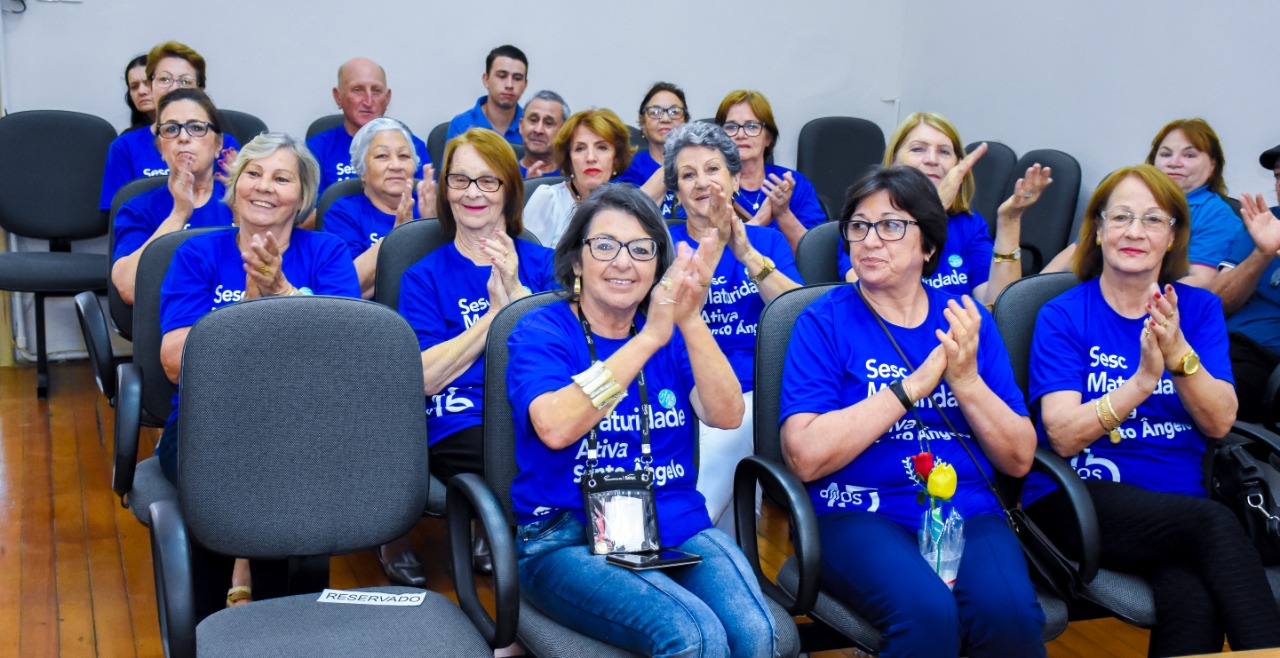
[
  {"x": 993, "y": 176},
  {"x": 833, "y": 152},
  {"x": 326, "y": 122},
  {"x": 243, "y": 126},
  {"x": 50, "y": 164},
  {"x": 333, "y": 193},
  {"x": 1046, "y": 226},
  {"x": 334, "y": 463},
  {"x": 435, "y": 143},
  {"x": 818, "y": 254},
  {"x": 122, "y": 313}
]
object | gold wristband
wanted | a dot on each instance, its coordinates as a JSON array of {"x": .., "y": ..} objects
[
  {"x": 769, "y": 268},
  {"x": 1011, "y": 257}
]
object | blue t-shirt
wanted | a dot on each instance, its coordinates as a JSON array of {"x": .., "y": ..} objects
[
  {"x": 441, "y": 296},
  {"x": 332, "y": 149},
  {"x": 642, "y": 167},
  {"x": 1213, "y": 225},
  {"x": 1259, "y": 318},
  {"x": 733, "y": 305},
  {"x": 804, "y": 199},
  {"x": 207, "y": 273},
  {"x": 547, "y": 349},
  {"x": 1081, "y": 344},
  {"x": 965, "y": 260},
  {"x": 134, "y": 155},
  {"x": 475, "y": 118},
  {"x": 139, "y": 217},
  {"x": 357, "y": 222},
  {"x": 838, "y": 356}
]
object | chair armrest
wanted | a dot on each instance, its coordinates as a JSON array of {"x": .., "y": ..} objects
[
  {"x": 128, "y": 425},
  {"x": 97, "y": 341},
  {"x": 174, "y": 588},
  {"x": 1257, "y": 433},
  {"x": 469, "y": 497},
  {"x": 783, "y": 486},
  {"x": 1048, "y": 462},
  {"x": 1271, "y": 403}
]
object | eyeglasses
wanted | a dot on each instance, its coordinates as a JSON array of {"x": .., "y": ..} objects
[
  {"x": 483, "y": 183},
  {"x": 656, "y": 112},
  {"x": 196, "y": 129},
  {"x": 1152, "y": 223},
  {"x": 166, "y": 81},
  {"x": 751, "y": 128},
  {"x": 889, "y": 230},
  {"x": 605, "y": 248}
]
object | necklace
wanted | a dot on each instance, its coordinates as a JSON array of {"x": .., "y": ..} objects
[{"x": 752, "y": 199}]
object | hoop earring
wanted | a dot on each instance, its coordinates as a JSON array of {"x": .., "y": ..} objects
[{"x": 577, "y": 286}]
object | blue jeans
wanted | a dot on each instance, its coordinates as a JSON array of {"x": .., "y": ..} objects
[
  {"x": 874, "y": 565},
  {"x": 713, "y": 608}
]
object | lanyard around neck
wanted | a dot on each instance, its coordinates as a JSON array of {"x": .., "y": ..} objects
[{"x": 592, "y": 443}]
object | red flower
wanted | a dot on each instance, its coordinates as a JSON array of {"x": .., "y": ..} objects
[{"x": 923, "y": 464}]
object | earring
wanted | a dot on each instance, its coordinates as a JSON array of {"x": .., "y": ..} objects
[
  {"x": 1170, "y": 248},
  {"x": 577, "y": 286},
  {"x": 1097, "y": 240}
]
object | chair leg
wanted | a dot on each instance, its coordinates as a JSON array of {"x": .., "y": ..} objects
[{"x": 42, "y": 356}]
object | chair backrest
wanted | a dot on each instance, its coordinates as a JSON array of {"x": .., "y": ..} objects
[
  {"x": 404, "y": 246},
  {"x": 326, "y": 122},
  {"x": 993, "y": 175},
  {"x": 333, "y": 193},
  {"x": 435, "y": 143},
  {"x": 157, "y": 390},
  {"x": 1046, "y": 226},
  {"x": 817, "y": 256},
  {"x": 638, "y": 141},
  {"x": 499, "y": 425},
  {"x": 121, "y": 312},
  {"x": 836, "y": 151},
  {"x": 298, "y": 438},
  {"x": 772, "y": 335},
  {"x": 1015, "y": 313},
  {"x": 1233, "y": 203},
  {"x": 51, "y": 165},
  {"x": 534, "y": 183},
  {"x": 243, "y": 126}
]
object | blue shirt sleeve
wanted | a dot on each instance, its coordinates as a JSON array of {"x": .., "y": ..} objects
[
  {"x": 1241, "y": 247},
  {"x": 342, "y": 220},
  {"x": 424, "y": 156},
  {"x": 116, "y": 173},
  {"x": 776, "y": 247},
  {"x": 811, "y": 374},
  {"x": 805, "y": 204},
  {"x": 132, "y": 228},
  {"x": 185, "y": 293},
  {"x": 420, "y": 306},
  {"x": 1212, "y": 230},
  {"x": 978, "y": 249},
  {"x": 1057, "y": 359},
  {"x": 540, "y": 362},
  {"x": 334, "y": 273},
  {"x": 1205, "y": 326}
]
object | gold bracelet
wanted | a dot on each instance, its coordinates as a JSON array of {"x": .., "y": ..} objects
[
  {"x": 1116, "y": 435},
  {"x": 765, "y": 271}
]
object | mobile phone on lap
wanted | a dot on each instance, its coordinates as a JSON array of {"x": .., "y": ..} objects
[{"x": 656, "y": 560}]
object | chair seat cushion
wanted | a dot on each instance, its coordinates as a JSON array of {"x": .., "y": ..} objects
[
  {"x": 55, "y": 272},
  {"x": 544, "y": 637},
  {"x": 1273, "y": 577},
  {"x": 1125, "y": 595},
  {"x": 302, "y": 626},
  {"x": 149, "y": 486}
]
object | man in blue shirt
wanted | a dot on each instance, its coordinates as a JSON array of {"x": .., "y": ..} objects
[
  {"x": 363, "y": 95},
  {"x": 543, "y": 117},
  {"x": 505, "y": 77},
  {"x": 1249, "y": 284}
]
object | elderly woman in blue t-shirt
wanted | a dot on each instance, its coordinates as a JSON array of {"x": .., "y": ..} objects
[
  {"x": 750, "y": 266},
  {"x": 865, "y": 407},
  {"x": 1132, "y": 376},
  {"x": 596, "y": 368}
]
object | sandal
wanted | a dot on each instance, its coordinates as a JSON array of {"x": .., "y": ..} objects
[{"x": 239, "y": 595}]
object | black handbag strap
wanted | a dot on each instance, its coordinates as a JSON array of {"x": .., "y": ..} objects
[{"x": 952, "y": 428}]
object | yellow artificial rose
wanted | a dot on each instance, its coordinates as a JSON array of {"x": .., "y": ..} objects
[{"x": 942, "y": 481}]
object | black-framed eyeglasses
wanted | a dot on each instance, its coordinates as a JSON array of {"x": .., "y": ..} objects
[
  {"x": 167, "y": 81},
  {"x": 605, "y": 248},
  {"x": 1151, "y": 222},
  {"x": 483, "y": 183},
  {"x": 889, "y": 230},
  {"x": 196, "y": 129},
  {"x": 751, "y": 128},
  {"x": 656, "y": 112}
]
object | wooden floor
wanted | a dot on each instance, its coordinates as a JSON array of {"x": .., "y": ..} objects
[{"x": 75, "y": 567}]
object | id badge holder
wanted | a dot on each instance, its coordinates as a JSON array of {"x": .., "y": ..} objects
[{"x": 621, "y": 511}]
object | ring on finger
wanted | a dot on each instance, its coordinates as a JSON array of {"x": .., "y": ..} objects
[
  {"x": 665, "y": 283},
  {"x": 264, "y": 270},
  {"x": 1026, "y": 195},
  {"x": 666, "y": 302}
]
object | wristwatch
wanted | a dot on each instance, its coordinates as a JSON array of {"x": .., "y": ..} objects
[
  {"x": 1011, "y": 257},
  {"x": 1189, "y": 364},
  {"x": 765, "y": 271}
]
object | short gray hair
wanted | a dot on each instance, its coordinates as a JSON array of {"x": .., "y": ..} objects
[
  {"x": 697, "y": 133},
  {"x": 548, "y": 95},
  {"x": 264, "y": 145},
  {"x": 364, "y": 137}
]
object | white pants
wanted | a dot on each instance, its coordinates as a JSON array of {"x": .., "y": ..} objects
[{"x": 719, "y": 452}]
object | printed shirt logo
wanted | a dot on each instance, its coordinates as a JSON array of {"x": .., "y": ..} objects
[
  {"x": 667, "y": 398},
  {"x": 954, "y": 260}
]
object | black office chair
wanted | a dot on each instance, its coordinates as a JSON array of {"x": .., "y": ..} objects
[
  {"x": 144, "y": 394},
  {"x": 121, "y": 312},
  {"x": 51, "y": 162},
  {"x": 243, "y": 126},
  {"x": 534, "y": 183},
  {"x": 536, "y": 631},
  {"x": 817, "y": 255},
  {"x": 993, "y": 176},
  {"x": 436, "y": 142},
  {"x": 343, "y": 470},
  {"x": 1046, "y": 226},
  {"x": 97, "y": 342},
  {"x": 326, "y": 122},
  {"x": 638, "y": 141},
  {"x": 333, "y": 193},
  {"x": 799, "y": 576},
  {"x": 836, "y": 151}
]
